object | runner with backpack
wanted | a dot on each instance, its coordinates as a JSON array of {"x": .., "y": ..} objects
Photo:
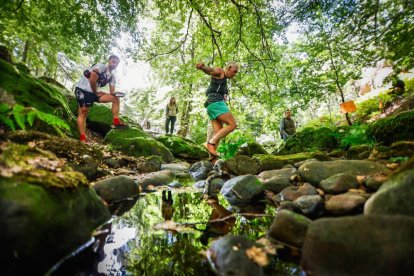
[{"x": 86, "y": 91}]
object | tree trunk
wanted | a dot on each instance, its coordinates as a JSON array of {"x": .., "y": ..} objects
[
  {"x": 185, "y": 114},
  {"x": 25, "y": 51}
]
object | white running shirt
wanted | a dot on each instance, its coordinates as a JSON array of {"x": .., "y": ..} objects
[{"x": 84, "y": 84}]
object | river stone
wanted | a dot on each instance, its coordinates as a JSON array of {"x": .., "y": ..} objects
[
  {"x": 281, "y": 173},
  {"x": 316, "y": 171},
  {"x": 200, "y": 170},
  {"x": 289, "y": 228},
  {"x": 345, "y": 204},
  {"x": 242, "y": 165},
  {"x": 149, "y": 164},
  {"x": 250, "y": 149},
  {"x": 276, "y": 184},
  {"x": 394, "y": 197},
  {"x": 275, "y": 162},
  {"x": 292, "y": 193},
  {"x": 182, "y": 147},
  {"x": 374, "y": 182},
  {"x": 339, "y": 183},
  {"x": 228, "y": 256},
  {"x": 40, "y": 226},
  {"x": 213, "y": 186},
  {"x": 155, "y": 179},
  {"x": 311, "y": 205},
  {"x": 242, "y": 189},
  {"x": 289, "y": 206},
  {"x": 175, "y": 184},
  {"x": 200, "y": 184},
  {"x": 116, "y": 188},
  {"x": 359, "y": 245},
  {"x": 176, "y": 167}
]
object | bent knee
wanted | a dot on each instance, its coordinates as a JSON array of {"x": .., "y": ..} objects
[{"x": 83, "y": 111}]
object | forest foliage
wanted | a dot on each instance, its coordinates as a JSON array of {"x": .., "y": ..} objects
[{"x": 334, "y": 41}]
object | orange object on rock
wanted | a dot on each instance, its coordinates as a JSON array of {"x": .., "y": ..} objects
[{"x": 348, "y": 106}]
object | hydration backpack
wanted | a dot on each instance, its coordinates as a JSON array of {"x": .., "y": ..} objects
[{"x": 102, "y": 79}]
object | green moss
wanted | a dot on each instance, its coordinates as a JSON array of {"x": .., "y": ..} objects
[
  {"x": 29, "y": 91},
  {"x": 135, "y": 142},
  {"x": 310, "y": 139},
  {"x": 182, "y": 147},
  {"x": 393, "y": 128}
]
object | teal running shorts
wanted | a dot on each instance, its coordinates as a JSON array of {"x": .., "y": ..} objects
[{"x": 216, "y": 109}]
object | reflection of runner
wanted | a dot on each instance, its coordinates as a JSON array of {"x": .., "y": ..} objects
[
  {"x": 217, "y": 227},
  {"x": 167, "y": 210}
]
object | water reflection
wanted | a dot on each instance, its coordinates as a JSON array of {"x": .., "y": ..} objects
[{"x": 131, "y": 246}]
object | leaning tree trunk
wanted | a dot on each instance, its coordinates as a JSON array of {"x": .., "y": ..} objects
[
  {"x": 185, "y": 114},
  {"x": 337, "y": 83}
]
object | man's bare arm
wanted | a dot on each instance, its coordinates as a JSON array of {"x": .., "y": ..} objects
[
  {"x": 209, "y": 70},
  {"x": 93, "y": 79}
]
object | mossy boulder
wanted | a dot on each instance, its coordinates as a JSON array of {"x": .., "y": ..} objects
[
  {"x": 29, "y": 91},
  {"x": 275, "y": 162},
  {"x": 309, "y": 139},
  {"x": 46, "y": 209},
  {"x": 183, "y": 148},
  {"x": 250, "y": 149},
  {"x": 81, "y": 158},
  {"x": 393, "y": 128},
  {"x": 135, "y": 142}
]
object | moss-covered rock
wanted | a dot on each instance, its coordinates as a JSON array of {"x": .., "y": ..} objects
[
  {"x": 250, "y": 149},
  {"x": 135, "y": 142},
  {"x": 81, "y": 158},
  {"x": 46, "y": 209},
  {"x": 275, "y": 162},
  {"x": 393, "y": 128},
  {"x": 309, "y": 139},
  {"x": 183, "y": 148},
  {"x": 39, "y": 226},
  {"x": 29, "y": 91}
]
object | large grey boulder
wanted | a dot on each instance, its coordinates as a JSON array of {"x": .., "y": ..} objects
[
  {"x": 359, "y": 245},
  {"x": 242, "y": 164},
  {"x": 339, "y": 183},
  {"x": 394, "y": 197}
]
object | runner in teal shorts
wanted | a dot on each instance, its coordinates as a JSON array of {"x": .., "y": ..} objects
[{"x": 217, "y": 109}]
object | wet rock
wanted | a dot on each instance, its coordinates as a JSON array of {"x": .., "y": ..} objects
[
  {"x": 281, "y": 173},
  {"x": 276, "y": 184},
  {"x": 200, "y": 184},
  {"x": 316, "y": 171},
  {"x": 155, "y": 179},
  {"x": 289, "y": 206},
  {"x": 213, "y": 186},
  {"x": 394, "y": 197},
  {"x": 242, "y": 165},
  {"x": 112, "y": 163},
  {"x": 242, "y": 189},
  {"x": 358, "y": 152},
  {"x": 289, "y": 228},
  {"x": 149, "y": 164},
  {"x": 175, "y": 184},
  {"x": 116, "y": 188},
  {"x": 40, "y": 224},
  {"x": 200, "y": 170},
  {"x": 345, "y": 204},
  {"x": 374, "y": 182},
  {"x": 228, "y": 256},
  {"x": 358, "y": 245},
  {"x": 292, "y": 193},
  {"x": 311, "y": 206},
  {"x": 339, "y": 183},
  {"x": 176, "y": 167}
]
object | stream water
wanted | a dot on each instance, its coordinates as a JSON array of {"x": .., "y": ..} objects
[{"x": 136, "y": 242}]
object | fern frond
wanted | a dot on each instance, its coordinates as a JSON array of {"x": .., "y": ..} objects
[
  {"x": 31, "y": 116},
  {"x": 57, "y": 123},
  {"x": 4, "y": 108},
  {"x": 19, "y": 116},
  {"x": 7, "y": 121}
]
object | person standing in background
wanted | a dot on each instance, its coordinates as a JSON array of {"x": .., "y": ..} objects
[
  {"x": 287, "y": 126},
  {"x": 171, "y": 111}
]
